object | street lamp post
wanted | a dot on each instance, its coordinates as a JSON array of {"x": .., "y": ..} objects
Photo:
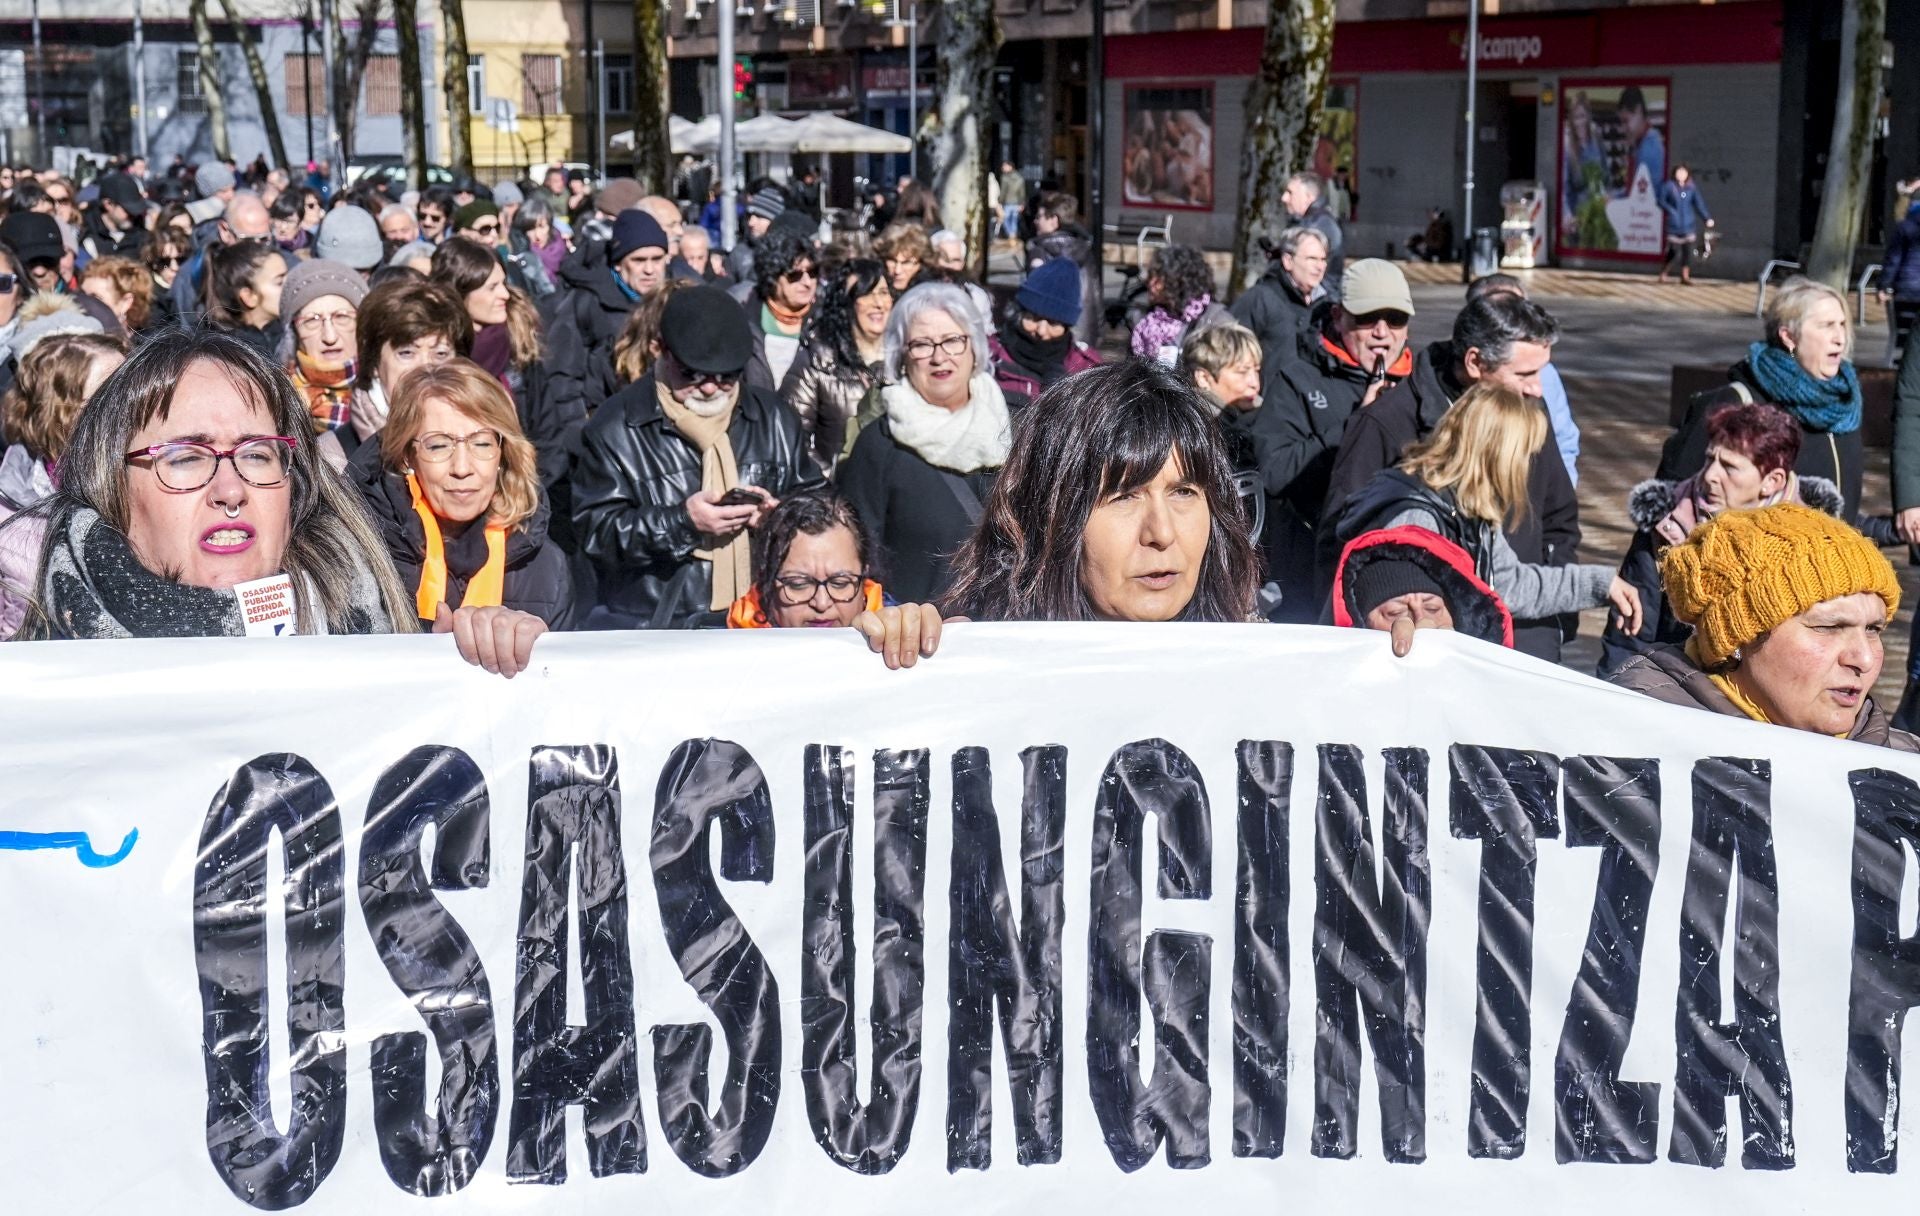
[
  {"x": 140, "y": 79},
  {"x": 1473, "y": 82},
  {"x": 912, "y": 22},
  {"x": 729, "y": 221}
]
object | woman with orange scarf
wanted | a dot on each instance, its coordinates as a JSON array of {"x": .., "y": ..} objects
[
  {"x": 453, "y": 488},
  {"x": 810, "y": 571}
]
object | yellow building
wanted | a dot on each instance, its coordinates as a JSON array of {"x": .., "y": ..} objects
[{"x": 526, "y": 56}]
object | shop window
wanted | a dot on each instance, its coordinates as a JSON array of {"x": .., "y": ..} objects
[
  {"x": 540, "y": 85},
  {"x": 189, "y": 97}
]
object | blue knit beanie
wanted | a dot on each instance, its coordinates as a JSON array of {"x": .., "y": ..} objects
[{"x": 1052, "y": 292}]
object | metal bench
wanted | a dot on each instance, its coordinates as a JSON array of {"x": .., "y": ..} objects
[{"x": 1144, "y": 234}]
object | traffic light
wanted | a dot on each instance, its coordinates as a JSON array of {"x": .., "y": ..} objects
[{"x": 743, "y": 79}]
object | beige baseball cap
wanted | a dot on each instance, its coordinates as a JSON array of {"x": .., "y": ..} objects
[{"x": 1372, "y": 285}]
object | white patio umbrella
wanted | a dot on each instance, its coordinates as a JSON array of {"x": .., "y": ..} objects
[
  {"x": 682, "y": 136},
  {"x": 824, "y": 132},
  {"x": 765, "y": 133}
]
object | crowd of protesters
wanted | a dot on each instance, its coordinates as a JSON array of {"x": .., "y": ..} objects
[{"x": 544, "y": 406}]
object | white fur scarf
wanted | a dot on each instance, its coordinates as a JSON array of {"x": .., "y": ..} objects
[{"x": 977, "y": 436}]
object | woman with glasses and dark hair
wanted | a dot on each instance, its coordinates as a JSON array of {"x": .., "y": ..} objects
[
  {"x": 454, "y": 491},
  {"x": 190, "y": 480},
  {"x": 842, "y": 356},
  {"x": 811, "y": 561},
  {"x": 1116, "y": 503},
  {"x": 507, "y": 342},
  {"x": 919, "y": 472}
]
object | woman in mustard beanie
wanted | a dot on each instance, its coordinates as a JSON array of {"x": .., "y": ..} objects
[{"x": 1787, "y": 606}]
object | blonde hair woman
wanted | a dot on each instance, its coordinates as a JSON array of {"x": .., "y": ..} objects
[
  {"x": 454, "y": 488},
  {"x": 1467, "y": 481}
]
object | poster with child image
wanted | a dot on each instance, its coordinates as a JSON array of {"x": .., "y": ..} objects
[
  {"x": 1168, "y": 159},
  {"x": 1613, "y": 157}
]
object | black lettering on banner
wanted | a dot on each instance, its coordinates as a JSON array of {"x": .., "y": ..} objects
[
  {"x": 431, "y": 960},
  {"x": 1504, "y": 799},
  {"x": 708, "y": 784},
  {"x": 870, "y": 1138},
  {"x": 1612, "y": 805},
  {"x": 1150, "y": 777},
  {"x": 573, "y": 827},
  {"x": 1747, "y": 1058},
  {"x": 1370, "y": 951},
  {"x": 1886, "y": 965},
  {"x": 995, "y": 964},
  {"x": 1260, "y": 954},
  {"x": 263, "y": 1168}
]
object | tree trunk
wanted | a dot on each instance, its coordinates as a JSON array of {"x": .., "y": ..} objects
[
  {"x": 1283, "y": 121},
  {"x": 453, "y": 19},
  {"x": 652, "y": 159},
  {"x": 968, "y": 41},
  {"x": 210, "y": 84},
  {"x": 1856, "y": 111},
  {"x": 262, "y": 88},
  {"x": 350, "y": 68},
  {"x": 413, "y": 119}
]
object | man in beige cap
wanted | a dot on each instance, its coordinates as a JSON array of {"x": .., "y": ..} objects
[{"x": 1350, "y": 353}]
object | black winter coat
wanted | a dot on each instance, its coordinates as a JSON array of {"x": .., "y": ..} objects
[
  {"x": 537, "y": 580},
  {"x": 631, "y": 481},
  {"x": 913, "y": 511},
  {"x": 585, "y": 319},
  {"x": 1379, "y": 435},
  {"x": 1275, "y": 311},
  {"x": 1840, "y": 459}
]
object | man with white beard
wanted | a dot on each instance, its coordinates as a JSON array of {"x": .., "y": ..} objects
[{"x": 677, "y": 470}]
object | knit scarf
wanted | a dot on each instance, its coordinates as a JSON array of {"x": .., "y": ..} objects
[
  {"x": 1820, "y": 405},
  {"x": 706, "y": 429},
  {"x": 493, "y": 349},
  {"x": 328, "y": 388},
  {"x": 94, "y": 587},
  {"x": 1045, "y": 361},
  {"x": 976, "y": 436},
  {"x": 1160, "y": 328},
  {"x": 488, "y": 586}
]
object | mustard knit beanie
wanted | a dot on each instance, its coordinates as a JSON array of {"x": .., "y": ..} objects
[{"x": 1743, "y": 573}]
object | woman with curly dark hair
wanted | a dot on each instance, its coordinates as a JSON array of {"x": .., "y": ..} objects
[
  {"x": 1180, "y": 284},
  {"x": 842, "y": 354}
]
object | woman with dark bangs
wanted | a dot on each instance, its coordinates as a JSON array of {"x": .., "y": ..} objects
[{"x": 1116, "y": 503}]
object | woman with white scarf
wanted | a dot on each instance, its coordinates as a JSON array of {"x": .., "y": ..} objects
[{"x": 921, "y": 468}]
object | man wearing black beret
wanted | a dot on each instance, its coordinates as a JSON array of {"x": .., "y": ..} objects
[{"x": 676, "y": 470}]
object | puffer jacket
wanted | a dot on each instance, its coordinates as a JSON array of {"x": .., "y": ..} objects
[
  {"x": 584, "y": 320},
  {"x": 537, "y": 579},
  {"x": 24, "y": 482},
  {"x": 826, "y": 394},
  {"x": 1667, "y": 675},
  {"x": 1652, "y": 506},
  {"x": 631, "y": 481}
]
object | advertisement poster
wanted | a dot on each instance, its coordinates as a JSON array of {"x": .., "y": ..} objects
[
  {"x": 1333, "y": 152},
  {"x": 1169, "y": 149},
  {"x": 1613, "y": 157}
]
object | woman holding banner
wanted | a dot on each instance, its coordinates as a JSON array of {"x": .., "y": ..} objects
[
  {"x": 1788, "y": 605},
  {"x": 1116, "y": 503},
  {"x": 193, "y": 503}
]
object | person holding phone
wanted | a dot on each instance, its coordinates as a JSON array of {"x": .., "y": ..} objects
[{"x": 677, "y": 470}]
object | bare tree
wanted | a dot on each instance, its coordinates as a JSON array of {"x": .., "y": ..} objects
[
  {"x": 453, "y": 18},
  {"x": 350, "y": 68},
  {"x": 1856, "y": 110},
  {"x": 963, "y": 91},
  {"x": 210, "y": 83},
  {"x": 413, "y": 111},
  {"x": 262, "y": 87},
  {"x": 1283, "y": 120},
  {"x": 652, "y": 161}
]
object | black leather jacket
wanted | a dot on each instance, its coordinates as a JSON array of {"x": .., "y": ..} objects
[{"x": 631, "y": 482}]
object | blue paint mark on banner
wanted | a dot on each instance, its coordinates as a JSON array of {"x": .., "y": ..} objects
[{"x": 77, "y": 841}]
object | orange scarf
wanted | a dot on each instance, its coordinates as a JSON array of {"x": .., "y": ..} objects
[
  {"x": 746, "y": 612},
  {"x": 486, "y": 589}
]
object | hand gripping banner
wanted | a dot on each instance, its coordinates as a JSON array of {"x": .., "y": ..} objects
[{"x": 1132, "y": 918}]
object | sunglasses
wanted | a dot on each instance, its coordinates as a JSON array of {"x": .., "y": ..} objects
[
  {"x": 7, "y": 284},
  {"x": 488, "y": 229},
  {"x": 800, "y": 273}
]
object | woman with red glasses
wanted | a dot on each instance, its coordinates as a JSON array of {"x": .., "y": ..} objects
[{"x": 193, "y": 503}]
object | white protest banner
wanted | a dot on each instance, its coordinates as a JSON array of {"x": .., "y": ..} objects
[{"x": 1069, "y": 918}]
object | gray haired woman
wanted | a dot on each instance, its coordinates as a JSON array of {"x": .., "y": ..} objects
[
  {"x": 924, "y": 461},
  {"x": 192, "y": 500}
]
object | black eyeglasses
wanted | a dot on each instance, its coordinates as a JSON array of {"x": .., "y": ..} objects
[
  {"x": 921, "y": 349},
  {"x": 798, "y": 589},
  {"x": 262, "y": 462}
]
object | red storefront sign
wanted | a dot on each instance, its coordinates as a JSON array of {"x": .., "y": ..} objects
[{"x": 1611, "y": 38}]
